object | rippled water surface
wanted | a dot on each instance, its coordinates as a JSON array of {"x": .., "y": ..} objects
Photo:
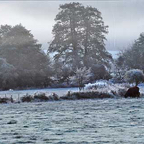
[{"x": 111, "y": 121}]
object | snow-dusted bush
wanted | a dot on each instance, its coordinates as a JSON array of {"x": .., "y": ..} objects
[
  {"x": 82, "y": 75},
  {"x": 6, "y": 100},
  {"x": 97, "y": 84},
  {"x": 104, "y": 86},
  {"x": 134, "y": 76}
]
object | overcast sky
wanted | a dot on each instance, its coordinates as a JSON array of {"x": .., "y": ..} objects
[{"x": 125, "y": 18}]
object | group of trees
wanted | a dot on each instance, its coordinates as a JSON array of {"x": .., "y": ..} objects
[
  {"x": 22, "y": 62},
  {"x": 78, "y": 50}
]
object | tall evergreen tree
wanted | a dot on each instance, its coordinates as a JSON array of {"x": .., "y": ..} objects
[
  {"x": 94, "y": 31},
  {"x": 79, "y": 35},
  {"x": 66, "y": 34}
]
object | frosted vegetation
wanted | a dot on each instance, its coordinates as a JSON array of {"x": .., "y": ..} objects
[
  {"x": 81, "y": 76},
  {"x": 118, "y": 90},
  {"x": 134, "y": 76}
]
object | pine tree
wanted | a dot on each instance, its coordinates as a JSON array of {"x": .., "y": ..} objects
[
  {"x": 79, "y": 35},
  {"x": 66, "y": 34},
  {"x": 94, "y": 51}
]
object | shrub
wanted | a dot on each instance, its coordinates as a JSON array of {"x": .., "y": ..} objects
[
  {"x": 6, "y": 100},
  {"x": 41, "y": 97},
  {"x": 27, "y": 98},
  {"x": 82, "y": 75},
  {"x": 87, "y": 95},
  {"x": 55, "y": 96},
  {"x": 104, "y": 86}
]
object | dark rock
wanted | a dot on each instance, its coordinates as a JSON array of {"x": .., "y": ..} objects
[
  {"x": 132, "y": 92},
  {"x": 12, "y": 122}
]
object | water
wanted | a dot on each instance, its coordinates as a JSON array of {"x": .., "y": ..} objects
[
  {"x": 16, "y": 93},
  {"x": 111, "y": 121},
  {"x": 114, "y": 53}
]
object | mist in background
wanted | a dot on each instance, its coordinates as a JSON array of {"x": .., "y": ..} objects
[{"x": 124, "y": 18}]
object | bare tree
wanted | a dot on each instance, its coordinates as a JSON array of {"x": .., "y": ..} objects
[{"x": 82, "y": 75}]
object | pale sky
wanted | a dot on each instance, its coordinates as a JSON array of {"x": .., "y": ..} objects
[{"x": 125, "y": 18}]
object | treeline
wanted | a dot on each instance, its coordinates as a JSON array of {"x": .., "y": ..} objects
[{"x": 79, "y": 35}]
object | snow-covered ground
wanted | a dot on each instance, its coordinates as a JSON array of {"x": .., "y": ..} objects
[{"x": 111, "y": 121}]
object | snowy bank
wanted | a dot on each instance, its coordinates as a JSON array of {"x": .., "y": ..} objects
[{"x": 98, "y": 90}]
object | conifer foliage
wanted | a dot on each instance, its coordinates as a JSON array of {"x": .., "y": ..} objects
[{"x": 79, "y": 36}]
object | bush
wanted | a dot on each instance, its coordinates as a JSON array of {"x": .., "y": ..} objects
[
  {"x": 82, "y": 75},
  {"x": 27, "y": 98},
  {"x": 99, "y": 72},
  {"x": 104, "y": 86},
  {"x": 41, "y": 97},
  {"x": 6, "y": 100},
  {"x": 134, "y": 76},
  {"x": 87, "y": 95},
  {"x": 55, "y": 96}
]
